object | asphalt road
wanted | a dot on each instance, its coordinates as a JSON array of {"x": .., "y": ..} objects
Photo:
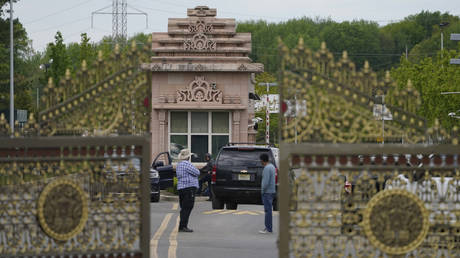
[{"x": 217, "y": 233}]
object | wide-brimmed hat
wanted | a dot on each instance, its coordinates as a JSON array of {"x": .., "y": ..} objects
[{"x": 184, "y": 154}]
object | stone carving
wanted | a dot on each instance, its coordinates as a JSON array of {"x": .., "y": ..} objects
[
  {"x": 242, "y": 67},
  {"x": 200, "y": 27},
  {"x": 200, "y": 41},
  {"x": 156, "y": 67},
  {"x": 199, "y": 90},
  {"x": 199, "y": 67},
  {"x": 202, "y": 11}
]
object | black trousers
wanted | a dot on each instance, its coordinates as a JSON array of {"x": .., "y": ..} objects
[
  {"x": 205, "y": 178},
  {"x": 186, "y": 202}
]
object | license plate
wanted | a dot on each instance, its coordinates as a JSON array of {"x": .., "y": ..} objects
[{"x": 244, "y": 177}]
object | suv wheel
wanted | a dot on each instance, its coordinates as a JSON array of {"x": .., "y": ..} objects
[
  {"x": 155, "y": 198},
  {"x": 232, "y": 205},
  {"x": 217, "y": 204}
]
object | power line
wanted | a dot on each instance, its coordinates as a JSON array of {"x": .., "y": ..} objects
[
  {"x": 69, "y": 36},
  {"x": 62, "y": 24},
  {"x": 261, "y": 16},
  {"x": 57, "y": 12},
  {"x": 160, "y": 10},
  {"x": 78, "y": 33}
]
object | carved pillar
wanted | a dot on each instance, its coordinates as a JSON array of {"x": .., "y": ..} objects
[
  {"x": 163, "y": 126},
  {"x": 236, "y": 126}
]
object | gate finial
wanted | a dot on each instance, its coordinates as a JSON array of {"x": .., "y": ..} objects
[
  {"x": 67, "y": 73},
  {"x": 300, "y": 44},
  {"x": 323, "y": 45},
  {"x": 133, "y": 45},
  {"x": 117, "y": 49},
  {"x": 99, "y": 56},
  {"x": 366, "y": 66},
  {"x": 387, "y": 76}
]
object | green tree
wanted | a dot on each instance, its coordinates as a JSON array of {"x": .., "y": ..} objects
[
  {"x": 396, "y": 38},
  {"x": 78, "y": 52},
  {"x": 432, "y": 76},
  {"x": 86, "y": 50},
  {"x": 359, "y": 38},
  {"x": 431, "y": 45},
  {"x": 22, "y": 50},
  {"x": 61, "y": 61}
]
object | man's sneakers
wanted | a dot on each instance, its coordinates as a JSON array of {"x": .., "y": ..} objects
[
  {"x": 185, "y": 230},
  {"x": 265, "y": 231}
]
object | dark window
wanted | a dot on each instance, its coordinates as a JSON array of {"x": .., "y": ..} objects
[
  {"x": 199, "y": 147},
  {"x": 241, "y": 158}
]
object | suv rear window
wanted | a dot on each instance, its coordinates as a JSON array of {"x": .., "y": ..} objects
[{"x": 241, "y": 157}]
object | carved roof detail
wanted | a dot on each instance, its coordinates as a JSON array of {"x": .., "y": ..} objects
[
  {"x": 203, "y": 38},
  {"x": 201, "y": 11},
  {"x": 201, "y": 32}
]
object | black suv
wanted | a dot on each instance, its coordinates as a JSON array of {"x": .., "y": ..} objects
[{"x": 237, "y": 175}]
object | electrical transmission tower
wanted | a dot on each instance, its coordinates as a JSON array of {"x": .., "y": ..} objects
[{"x": 119, "y": 18}]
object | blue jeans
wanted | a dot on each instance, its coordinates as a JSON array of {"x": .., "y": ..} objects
[{"x": 267, "y": 199}]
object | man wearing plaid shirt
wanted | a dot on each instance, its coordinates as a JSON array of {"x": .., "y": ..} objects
[{"x": 187, "y": 184}]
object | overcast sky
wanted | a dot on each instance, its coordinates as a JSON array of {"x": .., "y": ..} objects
[{"x": 42, "y": 18}]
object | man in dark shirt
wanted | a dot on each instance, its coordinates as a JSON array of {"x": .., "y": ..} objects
[
  {"x": 268, "y": 190},
  {"x": 207, "y": 170}
]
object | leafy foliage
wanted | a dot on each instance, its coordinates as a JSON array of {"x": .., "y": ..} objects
[
  {"x": 22, "y": 49},
  {"x": 382, "y": 46},
  {"x": 431, "y": 76},
  {"x": 363, "y": 40},
  {"x": 60, "y": 57}
]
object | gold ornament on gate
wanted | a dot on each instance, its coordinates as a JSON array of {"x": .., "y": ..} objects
[
  {"x": 62, "y": 209},
  {"x": 396, "y": 221}
]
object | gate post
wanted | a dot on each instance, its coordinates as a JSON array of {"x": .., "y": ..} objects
[{"x": 283, "y": 204}]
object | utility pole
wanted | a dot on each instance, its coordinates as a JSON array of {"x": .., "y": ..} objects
[
  {"x": 383, "y": 119},
  {"x": 11, "y": 69},
  {"x": 406, "y": 51},
  {"x": 267, "y": 112},
  {"x": 441, "y": 26}
]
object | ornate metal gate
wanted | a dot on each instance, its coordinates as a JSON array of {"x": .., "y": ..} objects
[
  {"x": 343, "y": 195},
  {"x": 67, "y": 188},
  {"x": 73, "y": 196}
]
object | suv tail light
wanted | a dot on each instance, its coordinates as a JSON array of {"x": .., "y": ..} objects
[
  {"x": 213, "y": 175},
  {"x": 276, "y": 175}
]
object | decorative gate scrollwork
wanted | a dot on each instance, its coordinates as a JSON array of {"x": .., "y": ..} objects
[
  {"x": 343, "y": 195},
  {"x": 76, "y": 196},
  {"x": 86, "y": 195}
]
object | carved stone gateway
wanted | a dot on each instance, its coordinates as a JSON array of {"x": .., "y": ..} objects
[{"x": 201, "y": 67}]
